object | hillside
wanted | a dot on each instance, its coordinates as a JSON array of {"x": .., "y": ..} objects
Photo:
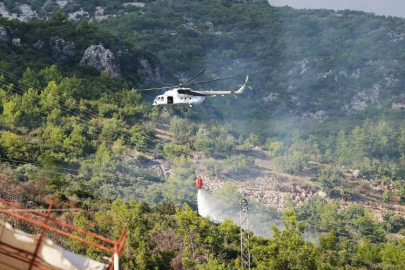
[
  {"x": 313, "y": 64},
  {"x": 320, "y": 143}
]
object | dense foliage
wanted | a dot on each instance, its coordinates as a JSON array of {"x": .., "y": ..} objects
[
  {"x": 303, "y": 61},
  {"x": 88, "y": 138}
]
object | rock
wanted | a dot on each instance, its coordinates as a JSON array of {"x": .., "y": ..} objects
[
  {"x": 343, "y": 73},
  {"x": 321, "y": 194},
  {"x": 395, "y": 37},
  {"x": 318, "y": 116},
  {"x": 398, "y": 106},
  {"x": 61, "y": 50},
  {"x": 76, "y": 16},
  {"x": 189, "y": 25},
  {"x": 102, "y": 59},
  {"x": 62, "y": 3},
  {"x": 27, "y": 14},
  {"x": 150, "y": 71},
  {"x": 39, "y": 45},
  {"x": 210, "y": 26},
  {"x": 356, "y": 173},
  {"x": 270, "y": 97},
  {"x": 17, "y": 42},
  {"x": 134, "y": 4},
  {"x": 99, "y": 14},
  {"x": 361, "y": 100},
  {"x": 4, "y": 34}
]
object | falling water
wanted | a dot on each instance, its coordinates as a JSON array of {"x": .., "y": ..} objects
[{"x": 203, "y": 206}]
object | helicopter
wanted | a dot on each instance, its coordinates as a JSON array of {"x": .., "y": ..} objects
[{"x": 183, "y": 95}]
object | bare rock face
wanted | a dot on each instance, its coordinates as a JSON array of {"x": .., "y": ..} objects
[
  {"x": 17, "y": 42},
  {"x": 39, "y": 45},
  {"x": 61, "y": 50},
  {"x": 150, "y": 71},
  {"x": 5, "y": 34},
  {"x": 102, "y": 59}
]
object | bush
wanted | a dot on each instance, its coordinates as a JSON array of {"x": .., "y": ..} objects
[{"x": 171, "y": 150}]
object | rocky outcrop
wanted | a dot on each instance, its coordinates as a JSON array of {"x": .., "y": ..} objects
[
  {"x": 26, "y": 13},
  {"x": 62, "y": 3},
  {"x": 135, "y": 4},
  {"x": 270, "y": 97},
  {"x": 5, "y": 34},
  {"x": 39, "y": 45},
  {"x": 16, "y": 42},
  {"x": 363, "y": 98},
  {"x": 319, "y": 116},
  {"x": 61, "y": 50},
  {"x": 102, "y": 59},
  {"x": 151, "y": 71},
  {"x": 76, "y": 16}
]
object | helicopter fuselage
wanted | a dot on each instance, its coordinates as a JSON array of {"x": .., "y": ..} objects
[{"x": 174, "y": 98}]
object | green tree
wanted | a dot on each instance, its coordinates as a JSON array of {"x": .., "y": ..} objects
[
  {"x": 138, "y": 137},
  {"x": 76, "y": 142},
  {"x": 15, "y": 147},
  {"x": 330, "y": 178},
  {"x": 50, "y": 74},
  {"x": 286, "y": 250},
  {"x": 182, "y": 129},
  {"x": 205, "y": 145},
  {"x": 103, "y": 160},
  {"x": 28, "y": 79},
  {"x": 11, "y": 111},
  {"x": 370, "y": 229},
  {"x": 171, "y": 150},
  {"x": 386, "y": 196},
  {"x": 328, "y": 241}
]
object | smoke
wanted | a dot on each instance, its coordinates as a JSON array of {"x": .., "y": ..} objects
[{"x": 217, "y": 209}]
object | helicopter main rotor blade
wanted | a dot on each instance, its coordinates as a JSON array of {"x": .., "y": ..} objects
[
  {"x": 215, "y": 80},
  {"x": 155, "y": 82},
  {"x": 156, "y": 88},
  {"x": 192, "y": 78}
]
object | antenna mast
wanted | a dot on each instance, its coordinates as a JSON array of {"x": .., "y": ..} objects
[{"x": 244, "y": 234}]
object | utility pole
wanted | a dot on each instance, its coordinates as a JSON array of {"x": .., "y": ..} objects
[{"x": 244, "y": 234}]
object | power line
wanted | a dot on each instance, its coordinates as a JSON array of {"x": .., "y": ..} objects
[
  {"x": 37, "y": 164},
  {"x": 125, "y": 137},
  {"x": 17, "y": 79},
  {"x": 42, "y": 170},
  {"x": 72, "y": 113}
]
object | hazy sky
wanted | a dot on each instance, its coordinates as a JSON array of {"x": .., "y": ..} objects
[{"x": 379, "y": 7}]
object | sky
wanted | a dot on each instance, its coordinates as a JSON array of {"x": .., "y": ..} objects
[{"x": 379, "y": 7}]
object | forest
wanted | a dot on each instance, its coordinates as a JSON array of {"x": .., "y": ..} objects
[{"x": 89, "y": 138}]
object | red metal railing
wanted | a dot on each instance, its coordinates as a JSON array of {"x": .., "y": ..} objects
[{"x": 49, "y": 224}]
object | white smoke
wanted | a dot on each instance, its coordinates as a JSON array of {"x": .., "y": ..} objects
[
  {"x": 260, "y": 220},
  {"x": 218, "y": 209},
  {"x": 214, "y": 209}
]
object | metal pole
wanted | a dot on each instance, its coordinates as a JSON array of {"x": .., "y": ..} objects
[{"x": 244, "y": 234}]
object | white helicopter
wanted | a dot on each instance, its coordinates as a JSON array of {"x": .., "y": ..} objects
[{"x": 183, "y": 96}]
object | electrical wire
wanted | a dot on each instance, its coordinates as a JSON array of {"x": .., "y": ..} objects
[{"x": 126, "y": 138}]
